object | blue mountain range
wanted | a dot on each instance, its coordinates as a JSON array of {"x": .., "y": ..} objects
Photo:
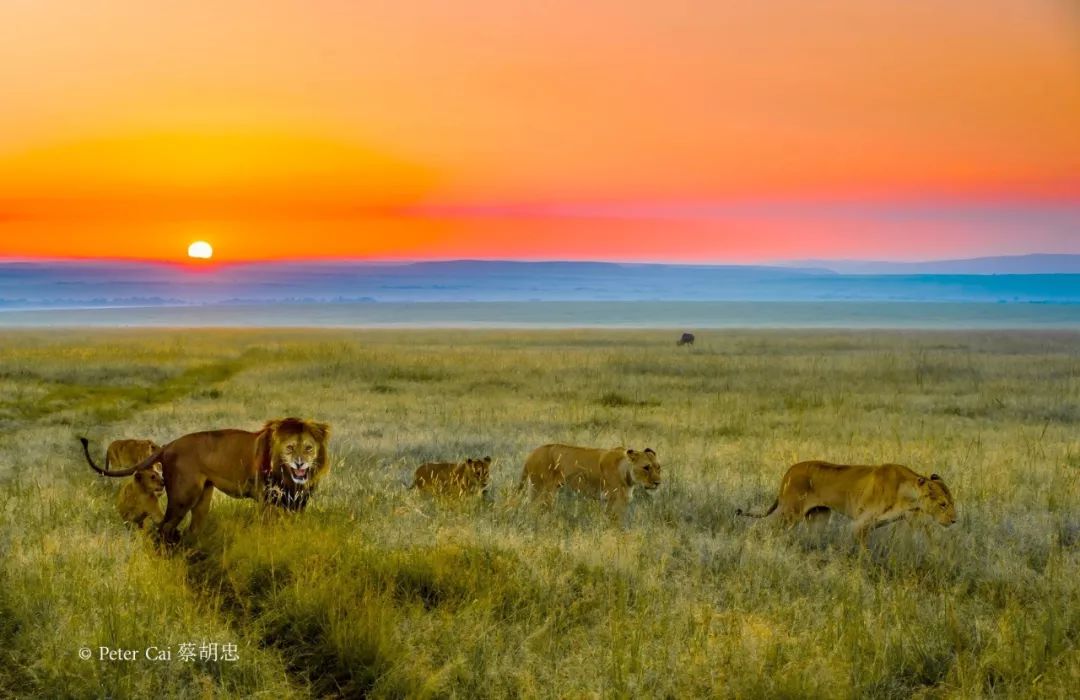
[{"x": 94, "y": 284}]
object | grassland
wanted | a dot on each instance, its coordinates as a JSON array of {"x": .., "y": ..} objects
[{"x": 377, "y": 591}]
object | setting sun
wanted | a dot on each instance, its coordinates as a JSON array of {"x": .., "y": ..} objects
[{"x": 201, "y": 250}]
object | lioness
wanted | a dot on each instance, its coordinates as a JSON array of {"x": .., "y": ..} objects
[
  {"x": 871, "y": 496},
  {"x": 453, "y": 479},
  {"x": 138, "y": 498},
  {"x": 610, "y": 475},
  {"x": 280, "y": 464}
]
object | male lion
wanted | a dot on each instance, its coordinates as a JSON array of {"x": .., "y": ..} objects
[
  {"x": 280, "y": 464},
  {"x": 609, "y": 475},
  {"x": 871, "y": 496},
  {"x": 138, "y": 498},
  {"x": 453, "y": 479}
]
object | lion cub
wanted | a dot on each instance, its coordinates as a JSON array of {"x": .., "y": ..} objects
[
  {"x": 138, "y": 498},
  {"x": 127, "y": 453},
  {"x": 454, "y": 479}
]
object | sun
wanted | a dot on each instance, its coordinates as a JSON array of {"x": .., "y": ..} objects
[{"x": 201, "y": 250}]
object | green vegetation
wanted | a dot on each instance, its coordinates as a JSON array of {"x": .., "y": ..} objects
[{"x": 380, "y": 591}]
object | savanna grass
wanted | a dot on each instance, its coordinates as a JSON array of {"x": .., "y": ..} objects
[{"x": 378, "y": 591}]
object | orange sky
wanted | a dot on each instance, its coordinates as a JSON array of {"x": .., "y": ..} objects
[{"x": 675, "y": 130}]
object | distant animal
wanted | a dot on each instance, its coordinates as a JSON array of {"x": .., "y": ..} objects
[
  {"x": 125, "y": 453},
  {"x": 608, "y": 474},
  {"x": 871, "y": 496},
  {"x": 138, "y": 498},
  {"x": 686, "y": 339},
  {"x": 454, "y": 478},
  {"x": 279, "y": 465}
]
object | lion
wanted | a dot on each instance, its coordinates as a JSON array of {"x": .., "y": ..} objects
[
  {"x": 126, "y": 453},
  {"x": 610, "y": 475},
  {"x": 454, "y": 479},
  {"x": 871, "y": 496},
  {"x": 138, "y": 498},
  {"x": 279, "y": 465}
]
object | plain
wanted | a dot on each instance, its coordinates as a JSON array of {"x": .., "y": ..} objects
[{"x": 380, "y": 591}]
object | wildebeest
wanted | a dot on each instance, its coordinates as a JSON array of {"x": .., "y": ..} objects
[{"x": 686, "y": 339}]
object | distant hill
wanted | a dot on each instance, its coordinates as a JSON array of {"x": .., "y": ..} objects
[
  {"x": 1040, "y": 264},
  {"x": 96, "y": 284}
]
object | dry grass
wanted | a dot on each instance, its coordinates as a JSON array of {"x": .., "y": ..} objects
[{"x": 376, "y": 590}]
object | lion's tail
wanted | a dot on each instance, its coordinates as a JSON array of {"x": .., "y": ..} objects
[
  {"x": 743, "y": 513},
  {"x": 146, "y": 463}
]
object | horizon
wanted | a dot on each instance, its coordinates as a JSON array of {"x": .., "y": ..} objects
[
  {"x": 215, "y": 263},
  {"x": 100, "y": 284}
]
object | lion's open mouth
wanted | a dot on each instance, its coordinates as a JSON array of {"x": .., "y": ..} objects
[{"x": 298, "y": 474}]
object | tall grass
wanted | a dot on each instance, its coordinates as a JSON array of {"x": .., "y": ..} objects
[{"x": 378, "y": 591}]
